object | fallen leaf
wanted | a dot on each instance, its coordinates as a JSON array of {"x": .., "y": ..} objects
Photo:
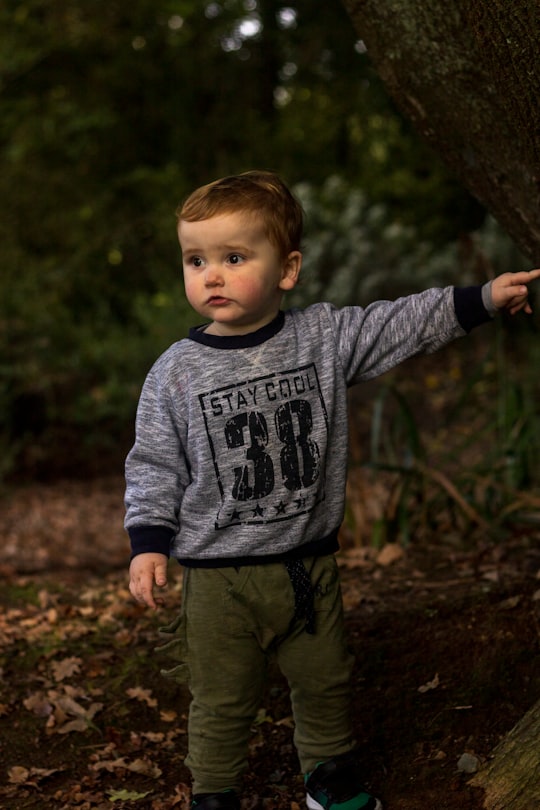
[
  {"x": 70, "y": 716},
  {"x": 18, "y": 775},
  {"x": 182, "y": 793},
  {"x": 126, "y": 795},
  {"x": 262, "y": 717},
  {"x": 142, "y": 766},
  {"x": 144, "y": 695},
  {"x": 390, "y": 553},
  {"x": 510, "y": 603},
  {"x": 433, "y": 684},
  {"x": 109, "y": 765},
  {"x": 38, "y": 704},
  {"x": 66, "y": 668},
  {"x": 153, "y": 736},
  {"x": 145, "y": 767}
]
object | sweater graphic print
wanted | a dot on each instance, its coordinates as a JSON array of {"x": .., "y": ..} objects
[{"x": 265, "y": 436}]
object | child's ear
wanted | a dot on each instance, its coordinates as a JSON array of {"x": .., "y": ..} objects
[{"x": 291, "y": 270}]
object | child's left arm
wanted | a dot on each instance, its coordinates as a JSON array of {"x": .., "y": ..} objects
[{"x": 509, "y": 291}]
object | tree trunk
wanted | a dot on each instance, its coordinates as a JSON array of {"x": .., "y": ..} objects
[
  {"x": 467, "y": 75},
  {"x": 511, "y": 780}
]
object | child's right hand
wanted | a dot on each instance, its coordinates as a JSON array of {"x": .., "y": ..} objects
[{"x": 145, "y": 571}]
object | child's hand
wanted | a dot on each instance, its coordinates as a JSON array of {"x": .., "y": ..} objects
[
  {"x": 509, "y": 291},
  {"x": 145, "y": 571}
]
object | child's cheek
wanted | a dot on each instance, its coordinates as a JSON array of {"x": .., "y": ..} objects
[{"x": 249, "y": 290}]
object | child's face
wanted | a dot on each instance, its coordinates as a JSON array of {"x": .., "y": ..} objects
[{"x": 233, "y": 275}]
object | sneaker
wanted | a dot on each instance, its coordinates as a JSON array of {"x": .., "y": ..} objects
[
  {"x": 336, "y": 785},
  {"x": 216, "y": 801}
]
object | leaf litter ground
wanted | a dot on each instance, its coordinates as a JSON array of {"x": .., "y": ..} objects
[{"x": 446, "y": 642}]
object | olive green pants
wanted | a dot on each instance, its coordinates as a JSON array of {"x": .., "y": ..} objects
[{"x": 233, "y": 621}]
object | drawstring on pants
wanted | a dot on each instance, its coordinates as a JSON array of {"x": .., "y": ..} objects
[{"x": 304, "y": 593}]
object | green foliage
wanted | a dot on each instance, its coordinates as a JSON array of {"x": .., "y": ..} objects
[
  {"x": 479, "y": 476},
  {"x": 109, "y": 115},
  {"x": 356, "y": 251}
]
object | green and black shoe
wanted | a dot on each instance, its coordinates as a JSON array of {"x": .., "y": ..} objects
[{"x": 336, "y": 785}]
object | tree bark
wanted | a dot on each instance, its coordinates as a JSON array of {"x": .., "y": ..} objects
[
  {"x": 511, "y": 780},
  {"x": 467, "y": 75}
]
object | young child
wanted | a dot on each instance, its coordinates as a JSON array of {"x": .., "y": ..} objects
[{"x": 238, "y": 471}]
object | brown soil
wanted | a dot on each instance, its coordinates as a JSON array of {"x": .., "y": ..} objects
[{"x": 445, "y": 639}]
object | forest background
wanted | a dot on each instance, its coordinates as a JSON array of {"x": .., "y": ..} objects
[{"x": 111, "y": 113}]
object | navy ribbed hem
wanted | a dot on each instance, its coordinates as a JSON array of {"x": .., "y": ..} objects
[{"x": 315, "y": 548}]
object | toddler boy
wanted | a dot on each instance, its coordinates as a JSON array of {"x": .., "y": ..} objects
[{"x": 238, "y": 471}]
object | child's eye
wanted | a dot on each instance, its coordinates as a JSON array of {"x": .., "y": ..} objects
[
  {"x": 196, "y": 261},
  {"x": 235, "y": 258}
]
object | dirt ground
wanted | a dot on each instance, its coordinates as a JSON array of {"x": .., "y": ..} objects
[{"x": 446, "y": 641}]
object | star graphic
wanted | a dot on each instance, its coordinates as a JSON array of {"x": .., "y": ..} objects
[
  {"x": 280, "y": 508},
  {"x": 258, "y": 512}
]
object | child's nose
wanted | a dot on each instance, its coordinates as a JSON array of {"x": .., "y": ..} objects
[{"x": 213, "y": 276}]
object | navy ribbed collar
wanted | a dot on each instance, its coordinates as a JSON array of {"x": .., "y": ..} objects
[{"x": 197, "y": 334}]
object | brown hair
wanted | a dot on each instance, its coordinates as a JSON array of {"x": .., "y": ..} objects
[{"x": 261, "y": 194}]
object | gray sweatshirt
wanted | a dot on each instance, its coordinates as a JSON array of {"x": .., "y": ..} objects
[{"x": 240, "y": 454}]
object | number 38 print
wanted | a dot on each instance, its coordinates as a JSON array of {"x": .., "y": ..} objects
[{"x": 266, "y": 437}]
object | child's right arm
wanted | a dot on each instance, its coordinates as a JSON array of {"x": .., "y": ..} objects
[{"x": 146, "y": 571}]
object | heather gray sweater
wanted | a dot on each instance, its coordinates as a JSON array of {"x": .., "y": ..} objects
[{"x": 241, "y": 443}]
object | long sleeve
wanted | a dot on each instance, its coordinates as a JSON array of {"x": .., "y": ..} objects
[
  {"x": 156, "y": 469},
  {"x": 373, "y": 340}
]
